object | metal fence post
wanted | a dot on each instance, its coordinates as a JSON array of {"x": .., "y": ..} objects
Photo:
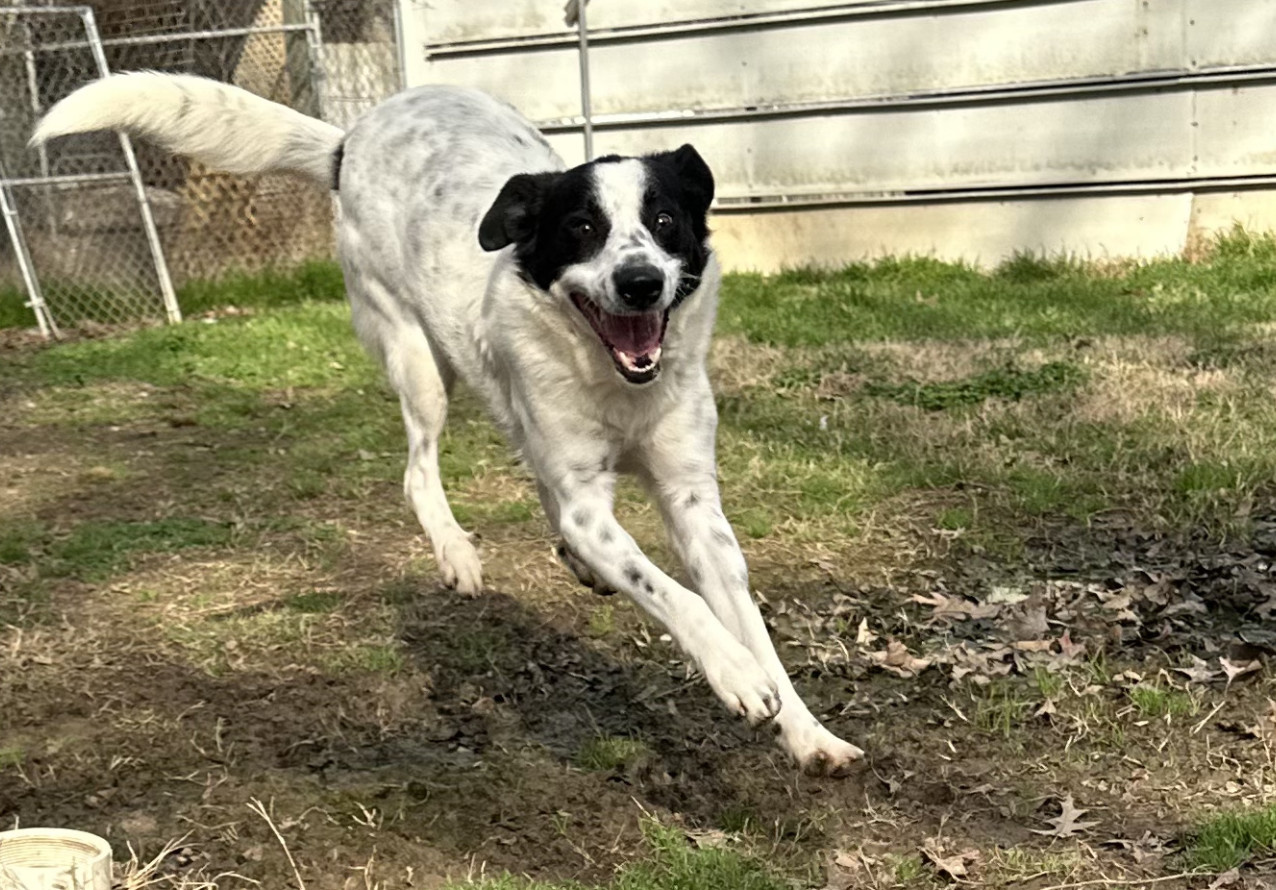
[
  {"x": 171, "y": 310},
  {"x": 575, "y": 13},
  {"x": 35, "y": 297}
]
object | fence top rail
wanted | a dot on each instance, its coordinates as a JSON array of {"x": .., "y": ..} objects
[
  {"x": 64, "y": 179},
  {"x": 46, "y": 10},
  {"x": 173, "y": 37}
]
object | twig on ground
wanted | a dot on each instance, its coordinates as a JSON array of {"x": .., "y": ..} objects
[
  {"x": 256, "y": 806},
  {"x": 1125, "y": 882}
]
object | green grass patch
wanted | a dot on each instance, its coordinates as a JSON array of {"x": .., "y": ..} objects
[
  {"x": 1000, "y": 708},
  {"x": 920, "y": 298},
  {"x": 368, "y": 658},
  {"x": 955, "y": 518},
  {"x": 611, "y": 752},
  {"x": 1231, "y": 839},
  {"x": 18, "y": 540},
  {"x": 307, "y": 344},
  {"x": 266, "y": 289},
  {"x": 1002, "y": 383},
  {"x": 1156, "y": 702},
  {"x": 95, "y": 550},
  {"x": 14, "y": 313},
  {"x": 673, "y": 864},
  {"x": 318, "y": 602}
]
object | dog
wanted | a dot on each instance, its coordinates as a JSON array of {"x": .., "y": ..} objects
[{"x": 578, "y": 303}]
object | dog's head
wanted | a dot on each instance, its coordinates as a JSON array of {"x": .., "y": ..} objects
[{"x": 620, "y": 239}]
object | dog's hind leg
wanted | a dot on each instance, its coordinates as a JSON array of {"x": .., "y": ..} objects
[{"x": 423, "y": 395}]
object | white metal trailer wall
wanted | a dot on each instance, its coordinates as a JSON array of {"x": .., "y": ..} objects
[{"x": 962, "y": 128}]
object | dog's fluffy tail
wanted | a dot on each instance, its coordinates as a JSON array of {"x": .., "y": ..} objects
[{"x": 219, "y": 125}]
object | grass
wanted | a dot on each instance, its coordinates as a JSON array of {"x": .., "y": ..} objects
[
  {"x": 1002, "y": 383},
  {"x": 611, "y": 752},
  {"x": 1231, "y": 839},
  {"x": 672, "y": 864},
  {"x": 1156, "y": 702},
  {"x": 891, "y": 415},
  {"x": 919, "y": 298},
  {"x": 94, "y": 550}
]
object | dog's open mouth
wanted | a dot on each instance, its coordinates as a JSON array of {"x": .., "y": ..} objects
[{"x": 634, "y": 341}]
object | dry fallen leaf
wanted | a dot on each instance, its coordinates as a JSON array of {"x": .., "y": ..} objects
[
  {"x": 1033, "y": 645},
  {"x": 864, "y": 636},
  {"x": 1027, "y": 621},
  {"x": 898, "y": 660},
  {"x": 1069, "y": 649},
  {"x": 845, "y": 870},
  {"x": 1226, "y": 879},
  {"x": 1199, "y": 672},
  {"x": 1066, "y": 824},
  {"x": 708, "y": 838},
  {"x": 1234, "y": 669},
  {"x": 954, "y": 865},
  {"x": 956, "y": 608},
  {"x": 1005, "y": 596}
]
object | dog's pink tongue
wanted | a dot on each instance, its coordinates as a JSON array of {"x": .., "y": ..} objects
[{"x": 634, "y": 334}]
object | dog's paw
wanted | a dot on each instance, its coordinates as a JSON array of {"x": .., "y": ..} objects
[
  {"x": 460, "y": 566},
  {"x": 818, "y": 752},
  {"x": 739, "y": 681}
]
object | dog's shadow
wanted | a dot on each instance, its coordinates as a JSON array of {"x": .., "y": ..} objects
[{"x": 503, "y": 672}]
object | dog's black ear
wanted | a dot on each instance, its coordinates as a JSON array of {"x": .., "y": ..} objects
[
  {"x": 512, "y": 217},
  {"x": 697, "y": 178}
]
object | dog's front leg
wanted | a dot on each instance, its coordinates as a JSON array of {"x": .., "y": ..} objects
[
  {"x": 680, "y": 469},
  {"x": 582, "y": 501}
]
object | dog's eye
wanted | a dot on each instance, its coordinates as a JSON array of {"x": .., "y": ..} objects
[
  {"x": 663, "y": 220},
  {"x": 581, "y": 227}
]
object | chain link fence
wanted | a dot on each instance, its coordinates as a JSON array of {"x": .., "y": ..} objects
[
  {"x": 80, "y": 234},
  {"x": 330, "y": 58}
]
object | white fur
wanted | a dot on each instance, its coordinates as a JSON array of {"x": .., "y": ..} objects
[
  {"x": 225, "y": 127},
  {"x": 418, "y": 174}
]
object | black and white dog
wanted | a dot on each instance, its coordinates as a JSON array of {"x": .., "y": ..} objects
[{"x": 578, "y": 303}]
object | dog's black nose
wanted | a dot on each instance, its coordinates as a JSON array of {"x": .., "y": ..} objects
[{"x": 639, "y": 285}]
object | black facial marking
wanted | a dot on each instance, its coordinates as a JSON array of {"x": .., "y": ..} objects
[
  {"x": 514, "y": 216},
  {"x": 680, "y": 186},
  {"x": 646, "y": 586},
  {"x": 555, "y": 221},
  {"x": 552, "y": 218}
]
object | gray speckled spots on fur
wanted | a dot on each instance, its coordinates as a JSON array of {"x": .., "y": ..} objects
[
  {"x": 581, "y": 517},
  {"x": 690, "y": 500},
  {"x": 633, "y": 574},
  {"x": 605, "y": 536},
  {"x": 722, "y": 537}
]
